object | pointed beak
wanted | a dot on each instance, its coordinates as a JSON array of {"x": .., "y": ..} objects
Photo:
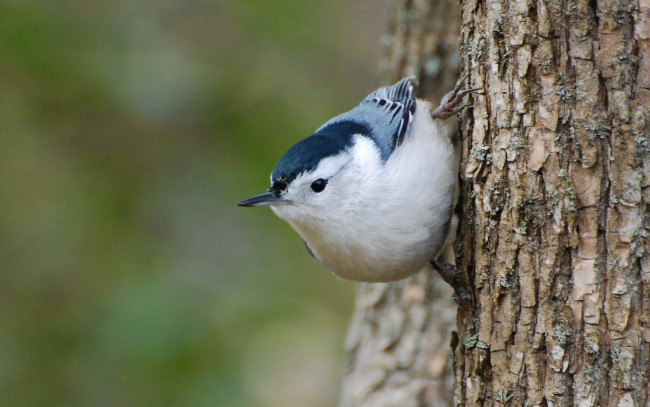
[{"x": 266, "y": 199}]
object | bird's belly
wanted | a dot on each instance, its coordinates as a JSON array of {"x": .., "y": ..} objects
[{"x": 358, "y": 258}]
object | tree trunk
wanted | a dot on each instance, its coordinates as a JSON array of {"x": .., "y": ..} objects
[
  {"x": 555, "y": 204},
  {"x": 554, "y": 213}
]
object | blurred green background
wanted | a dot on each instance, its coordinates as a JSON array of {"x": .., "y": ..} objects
[{"x": 129, "y": 130}]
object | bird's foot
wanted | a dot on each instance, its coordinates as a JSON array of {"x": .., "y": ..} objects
[
  {"x": 450, "y": 103},
  {"x": 459, "y": 281}
]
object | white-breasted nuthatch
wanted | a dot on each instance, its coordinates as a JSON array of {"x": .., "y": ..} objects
[{"x": 371, "y": 192}]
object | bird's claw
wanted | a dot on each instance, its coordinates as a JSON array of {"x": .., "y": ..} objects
[
  {"x": 449, "y": 105},
  {"x": 458, "y": 280}
]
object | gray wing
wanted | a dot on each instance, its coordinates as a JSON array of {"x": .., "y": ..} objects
[{"x": 387, "y": 113}]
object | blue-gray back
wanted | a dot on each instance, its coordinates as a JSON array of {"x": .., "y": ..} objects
[{"x": 387, "y": 113}]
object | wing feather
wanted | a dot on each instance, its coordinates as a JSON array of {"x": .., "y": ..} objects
[
  {"x": 387, "y": 113},
  {"x": 400, "y": 99}
]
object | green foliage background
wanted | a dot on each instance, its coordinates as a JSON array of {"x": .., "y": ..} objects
[{"x": 128, "y": 132}]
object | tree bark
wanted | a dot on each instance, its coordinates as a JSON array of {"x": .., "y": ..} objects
[
  {"x": 555, "y": 204},
  {"x": 554, "y": 213}
]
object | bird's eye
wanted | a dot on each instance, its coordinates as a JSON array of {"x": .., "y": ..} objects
[{"x": 318, "y": 185}]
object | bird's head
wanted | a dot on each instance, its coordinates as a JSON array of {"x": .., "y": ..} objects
[{"x": 321, "y": 175}]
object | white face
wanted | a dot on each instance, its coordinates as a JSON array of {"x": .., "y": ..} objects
[{"x": 343, "y": 175}]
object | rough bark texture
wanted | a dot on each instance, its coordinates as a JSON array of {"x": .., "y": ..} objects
[
  {"x": 555, "y": 204},
  {"x": 554, "y": 213},
  {"x": 398, "y": 343}
]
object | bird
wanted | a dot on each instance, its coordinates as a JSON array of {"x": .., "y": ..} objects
[{"x": 371, "y": 192}]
